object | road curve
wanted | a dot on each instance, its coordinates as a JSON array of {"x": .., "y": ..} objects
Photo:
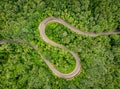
[
  {"x": 42, "y": 27},
  {"x": 77, "y": 59},
  {"x": 46, "y": 39}
]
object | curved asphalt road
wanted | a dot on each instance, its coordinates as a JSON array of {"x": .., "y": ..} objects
[{"x": 46, "y": 39}]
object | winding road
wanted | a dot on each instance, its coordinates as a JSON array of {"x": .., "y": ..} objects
[{"x": 42, "y": 27}]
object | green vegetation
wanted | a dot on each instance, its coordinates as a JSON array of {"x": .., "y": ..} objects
[{"x": 21, "y": 67}]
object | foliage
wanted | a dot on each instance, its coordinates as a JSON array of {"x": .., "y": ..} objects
[{"x": 21, "y": 67}]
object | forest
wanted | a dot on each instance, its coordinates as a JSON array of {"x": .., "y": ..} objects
[{"x": 21, "y": 67}]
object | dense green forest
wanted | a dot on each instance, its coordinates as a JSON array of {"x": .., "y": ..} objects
[{"x": 21, "y": 67}]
